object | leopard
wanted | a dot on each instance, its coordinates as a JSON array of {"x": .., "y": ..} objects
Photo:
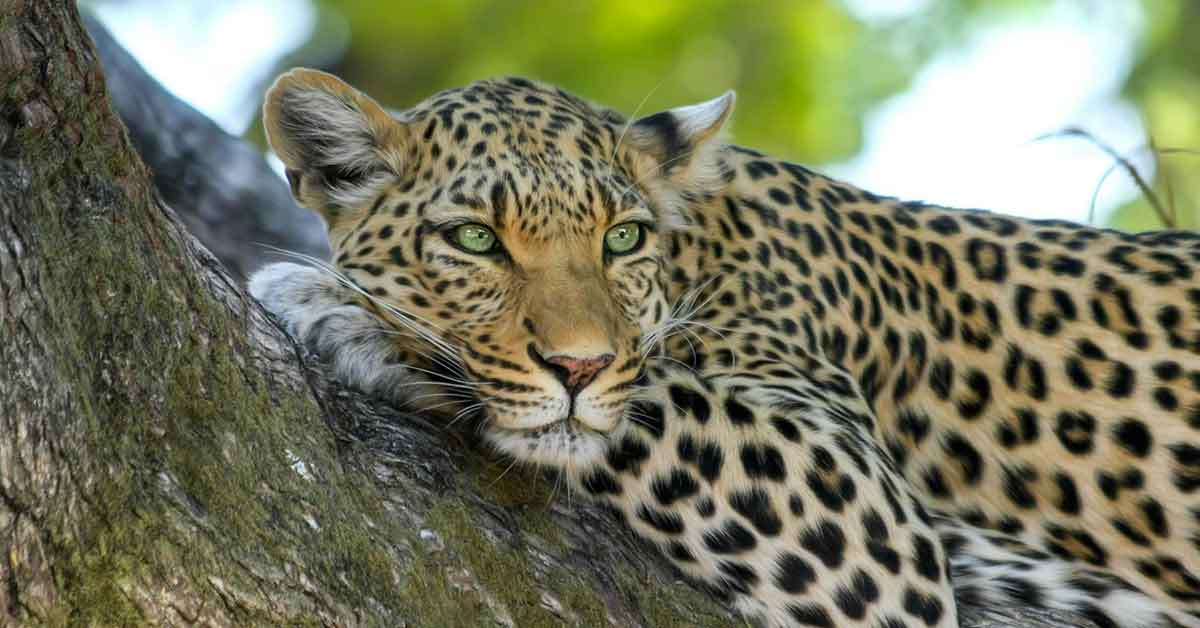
[{"x": 825, "y": 407}]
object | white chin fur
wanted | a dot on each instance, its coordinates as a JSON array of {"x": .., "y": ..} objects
[
  {"x": 595, "y": 417},
  {"x": 554, "y": 445}
]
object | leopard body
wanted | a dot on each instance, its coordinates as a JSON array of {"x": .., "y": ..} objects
[{"x": 829, "y": 407}]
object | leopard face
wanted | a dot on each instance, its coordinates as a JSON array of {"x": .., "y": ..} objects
[{"x": 512, "y": 234}]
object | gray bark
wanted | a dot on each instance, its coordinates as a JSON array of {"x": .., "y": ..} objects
[{"x": 169, "y": 456}]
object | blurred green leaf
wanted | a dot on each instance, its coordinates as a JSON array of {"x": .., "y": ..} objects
[{"x": 807, "y": 71}]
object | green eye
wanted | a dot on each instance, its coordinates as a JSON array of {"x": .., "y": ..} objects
[
  {"x": 474, "y": 238},
  {"x": 623, "y": 238}
]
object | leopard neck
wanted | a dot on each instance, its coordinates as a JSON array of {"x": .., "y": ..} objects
[{"x": 842, "y": 272}]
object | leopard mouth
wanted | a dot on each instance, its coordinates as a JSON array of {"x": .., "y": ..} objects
[{"x": 569, "y": 426}]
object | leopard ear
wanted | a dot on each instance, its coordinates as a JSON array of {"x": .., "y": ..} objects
[
  {"x": 338, "y": 145},
  {"x": 683, "y": 145}
]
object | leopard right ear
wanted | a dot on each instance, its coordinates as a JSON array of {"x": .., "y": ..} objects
[
  {"x": 683, "y": 144},
  {"x": 338, "y": 145}
]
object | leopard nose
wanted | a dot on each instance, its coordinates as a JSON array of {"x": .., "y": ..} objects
[{"x": 575, "y": 373}]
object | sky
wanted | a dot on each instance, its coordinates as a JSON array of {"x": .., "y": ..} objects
[
  {"x": 216, "y": 54},
  {"x": 965, "y": 133}
]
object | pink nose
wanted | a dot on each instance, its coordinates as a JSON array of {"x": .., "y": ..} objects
[{"x": 577, "y": 373}]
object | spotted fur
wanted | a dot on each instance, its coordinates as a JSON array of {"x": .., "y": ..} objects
[{"x": 830, "y": 408}]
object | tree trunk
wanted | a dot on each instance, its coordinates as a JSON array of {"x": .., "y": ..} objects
[{"x": 169, "y": 456}]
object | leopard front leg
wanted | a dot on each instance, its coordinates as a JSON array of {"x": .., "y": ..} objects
[
  {"x": 328, "y": 316},
  {"x": 765, "y": 485}
]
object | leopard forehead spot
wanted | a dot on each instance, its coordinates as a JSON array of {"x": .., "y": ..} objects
[{"x": 832, "y": 407}]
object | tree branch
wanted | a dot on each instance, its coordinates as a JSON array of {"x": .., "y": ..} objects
[{"x": 220, "y": 186}]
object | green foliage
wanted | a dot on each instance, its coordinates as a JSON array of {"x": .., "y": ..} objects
[
  {"x": 806, "y": 71},
  {"x": 1165, "y": 85}
]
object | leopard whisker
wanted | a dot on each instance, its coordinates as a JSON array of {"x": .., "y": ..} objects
[
  {"x": 442, "y": 405},
  {"x": 443, "y": 378},
  {"x": 446, "y": 395},
  {"x": 436, "y": 358},
  {"x": 503, "y": 473},
  {"x": 684, "y": 308},
  {"x": 411, "y": 321},
  {"x": 463, "y": 413}
]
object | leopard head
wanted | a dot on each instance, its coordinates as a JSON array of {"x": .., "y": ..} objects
[{"x": 512, "y": 234}]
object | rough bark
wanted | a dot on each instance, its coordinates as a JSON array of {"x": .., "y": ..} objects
[{"x": 168, "y": 456}]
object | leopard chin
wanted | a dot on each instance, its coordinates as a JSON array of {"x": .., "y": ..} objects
[{"x": 566, "y": 444}]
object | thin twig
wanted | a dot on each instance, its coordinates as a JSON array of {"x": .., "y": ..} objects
[{"x": 1121, "y": 161}]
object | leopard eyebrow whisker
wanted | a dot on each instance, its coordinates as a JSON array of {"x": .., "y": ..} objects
[{"x": 631, "y": 119}]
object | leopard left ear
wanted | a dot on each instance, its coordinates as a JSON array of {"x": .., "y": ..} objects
[
  {"x": 682, "y": 144},
  {"x": 338, "y": 145}
]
